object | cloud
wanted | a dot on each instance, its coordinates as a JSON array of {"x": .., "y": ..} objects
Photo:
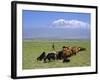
[{"x": 62, "y": 23}]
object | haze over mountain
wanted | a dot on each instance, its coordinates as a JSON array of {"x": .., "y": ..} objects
[{"x": 72, "y": 29}]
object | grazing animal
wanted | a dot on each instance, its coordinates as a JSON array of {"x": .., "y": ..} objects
[
  {"x": 69, "y": 51},
  {"x": 66, "y": 60},
  {"x": 64, "y": 53},
  {"x": 73, "y": 50},
  {"x": 41, "y": 57},
  {"x": 59, "y": 55},
  {"x": 49, "y": 57},
  {"x": 76, "y": 50},
  {"x": 82, "y": 49}
]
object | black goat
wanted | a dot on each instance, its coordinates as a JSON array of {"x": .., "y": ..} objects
[
  {"x": 49, "y": 57},
  {"x": 82, "y": 49},
  {"x": 59, "y": 55},
  {"x": 42, "y": 56},
  {"x": 66, "y": 60}
]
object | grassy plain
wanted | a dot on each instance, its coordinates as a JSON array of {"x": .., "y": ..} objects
[{"x": 33, "y": 48}]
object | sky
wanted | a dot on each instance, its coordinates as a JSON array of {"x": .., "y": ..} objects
[{"x": 55, "y": 25}]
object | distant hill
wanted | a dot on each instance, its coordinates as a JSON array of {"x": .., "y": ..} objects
[{"x": 56, "y": 33}]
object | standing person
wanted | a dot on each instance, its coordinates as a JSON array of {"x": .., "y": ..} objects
[{"x": 53, "y": 47}]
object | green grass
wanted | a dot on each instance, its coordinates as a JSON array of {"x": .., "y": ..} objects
[{"x": 33, "y": 48}]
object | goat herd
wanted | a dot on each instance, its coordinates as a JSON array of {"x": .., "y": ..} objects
[{"x": 63, "y": 55}]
